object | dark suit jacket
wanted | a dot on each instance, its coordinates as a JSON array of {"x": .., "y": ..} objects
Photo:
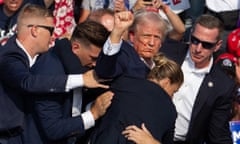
[
  {"x": 70, "y": 61},
  {"x": 18, "y": 82},
  {"x": 54, "y": 111},
  {"x": 125, "y": 62},
  {"x": 72, "y": 65},
  {"x": 212, "y": 108},
  {"x": 136, "y": 101}
]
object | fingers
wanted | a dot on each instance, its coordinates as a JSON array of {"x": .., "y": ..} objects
[
  {"x": 101, "y": 104},
  {"x": 124, "y": 16},
  {"x": 90, "y": 80},
  {"x": 106, "y": 98},
  {"x": 145, "y": 129},
  {"x": 102, "y": 86}
]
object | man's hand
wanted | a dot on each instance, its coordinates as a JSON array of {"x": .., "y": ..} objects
[
  {"x": 139, "y": 136},
  {"x": 139, "y": 4},
  {"x": 91, "y": 80},
  {"x": 119, "y": 6},
  {"x": 122, "y": 21},
  {"x": 101, "y": 104}
]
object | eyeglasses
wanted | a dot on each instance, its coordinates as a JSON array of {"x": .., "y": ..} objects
[
  {"x": 49, "y": 28},
  {"x": 206, "y": 45}
]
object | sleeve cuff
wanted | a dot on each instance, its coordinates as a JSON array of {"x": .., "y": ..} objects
[
  {"x": 88, "y": 120},
  {"x": 110, "y": 48},
  {"x": 74, "y": 81}
]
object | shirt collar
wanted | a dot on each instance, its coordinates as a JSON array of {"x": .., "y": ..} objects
[
  {"x": 30, "y": 59},
  {"x": 151, "y": 66},
  {"x": 197, "y": 70}
]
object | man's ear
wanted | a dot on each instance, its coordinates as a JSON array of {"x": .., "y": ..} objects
[
  {"x": 34, "y": 31},
  {"x": 76, "y": 47},
  {"x": 131, "y": 36},
  {"x": 218, "y": 45}
]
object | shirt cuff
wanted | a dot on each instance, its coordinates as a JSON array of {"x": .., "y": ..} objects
[
  {"x": 74, "y": 81},
  {"x": 88, "y": 120},
  {"x": 110, "y": 48}
]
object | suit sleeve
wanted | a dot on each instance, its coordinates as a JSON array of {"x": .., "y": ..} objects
[
  {"x": 109, "y": 67},
  {"x": 15, "y": 73},
  {"x": 54, "y": 124}
]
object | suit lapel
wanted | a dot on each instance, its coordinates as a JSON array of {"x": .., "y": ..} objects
[{"x": 205, "y": 92}]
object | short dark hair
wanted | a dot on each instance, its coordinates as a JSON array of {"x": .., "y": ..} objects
[
  {"x": 210, "y": 22},
  {"x": 90, "y": 32}
]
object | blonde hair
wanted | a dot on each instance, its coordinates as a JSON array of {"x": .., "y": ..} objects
[{"x": 166, "y": 68}]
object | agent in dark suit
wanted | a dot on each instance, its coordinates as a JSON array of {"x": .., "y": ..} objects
[
  {"x": 204, "y": 101},
  {"x": 142, "y": 101},
  {"x": 59, "y": 119},
  {"x": 35, "y": 27}
]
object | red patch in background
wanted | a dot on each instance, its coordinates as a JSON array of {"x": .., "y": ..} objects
[{"x": 175, "y": 2}]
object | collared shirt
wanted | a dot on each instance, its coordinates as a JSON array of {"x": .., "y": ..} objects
[
  {"x": 88, "y": 119},
  {"x": 74, "y": 81},
  {"x": 110, "y": 49},
  {"x": 30, "y": 59},
  {"x": 185, "y": 97}
]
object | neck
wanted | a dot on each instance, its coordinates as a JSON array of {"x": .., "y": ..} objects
[{"x": 27, "y": 47}]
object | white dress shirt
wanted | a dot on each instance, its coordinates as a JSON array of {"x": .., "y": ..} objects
[
  {"x": 185, "y": 97},
  {"x": 88, "y": 119}
]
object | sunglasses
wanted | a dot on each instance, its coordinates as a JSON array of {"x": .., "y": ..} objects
[
  {"x": 206, "y": 45},
  {"x": 49, "y": 28}
]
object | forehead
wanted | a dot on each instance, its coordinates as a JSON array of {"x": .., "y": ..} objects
[
  {"x": 149, "y": 27},
  {"x": 206, "y": 34}
]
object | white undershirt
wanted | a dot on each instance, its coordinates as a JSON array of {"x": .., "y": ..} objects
[{"x": 185, "y": 97}]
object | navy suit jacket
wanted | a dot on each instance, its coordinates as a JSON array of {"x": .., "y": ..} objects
[
  {"x": 72, "y": 65},
  {"x": 125, "y": 62},
  {"x": 136, "y": 101},
  {"x": 212, "y": 108},
  {"x": 54, "y": 110},
  {"x": 18, "y": 83}
]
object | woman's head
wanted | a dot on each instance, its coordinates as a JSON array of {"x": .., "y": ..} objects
[{"x": 166, "y": 73}]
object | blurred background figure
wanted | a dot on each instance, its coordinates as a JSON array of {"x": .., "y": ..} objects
[
  {"x": 89, "y": 6},
  {"x": 9, "y": 10}
]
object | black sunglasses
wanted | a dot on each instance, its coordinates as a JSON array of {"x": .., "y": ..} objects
[
  {"x": 49, "y": 28},
  {"x": 206, "y": 45}
]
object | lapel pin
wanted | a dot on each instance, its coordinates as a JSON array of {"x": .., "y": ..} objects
[{"x": 210, "y": 84}]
